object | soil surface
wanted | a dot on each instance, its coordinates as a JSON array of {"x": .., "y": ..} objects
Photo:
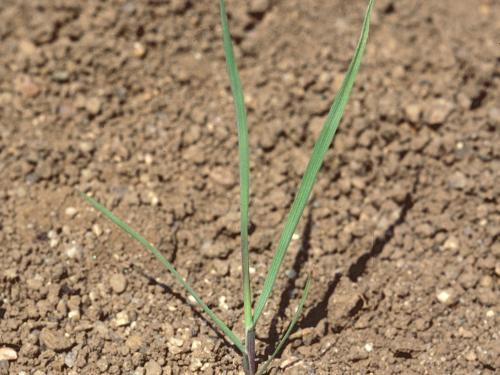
[{"x": 129, "y": 101}]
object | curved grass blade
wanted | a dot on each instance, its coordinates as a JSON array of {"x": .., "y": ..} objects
[
  {"x": 123, "y": 226},
  {"x": 290, "y": 328},
  {"x": 241, "y": 122},
  {"x": 309, "y": 178}
]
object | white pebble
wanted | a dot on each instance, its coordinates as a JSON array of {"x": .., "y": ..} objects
[
  {"x": 71, "y": 212},
  {"x": 122, "y": 319},
  {"x": 7, "y": 354},
  {"x": 445, "y": 296},
  {"x": 369, "y": 347},
  {"x": 222, "y": 303},
  {"x": 96, "y": 229},
  {"x": 73, "y": 251}
]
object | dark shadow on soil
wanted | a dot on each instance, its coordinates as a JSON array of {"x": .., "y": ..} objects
[
  {"x": 300, "y": 259},
  {"x": 183, "y": 299},
  {"x": 359, "y": 267},
  {"x": 318, "y": 312}
]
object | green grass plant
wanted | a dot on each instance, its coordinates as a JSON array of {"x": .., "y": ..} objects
[{"x": 252, "y": 313}]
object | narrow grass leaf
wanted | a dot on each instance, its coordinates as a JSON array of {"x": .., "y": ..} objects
[
  {"x": 241, "y": 122},
  {"x": 123, "y": 226},
  {"x": 290, "y": 328},
  {"x": 324, "y": 140}
]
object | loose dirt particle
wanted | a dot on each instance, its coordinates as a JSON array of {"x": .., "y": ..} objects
[
  {"x": 93, "y": 106},
  {"x": 437, "y": 111},
  {"x": 458, "y": 181},
  {"x": 73, "y": 251},
  {"x": 152, "y": 368},
  {"x": 134, "y": 342},
  {"x": 259, "y": 6},
  {"x": 54, "y": 340}
]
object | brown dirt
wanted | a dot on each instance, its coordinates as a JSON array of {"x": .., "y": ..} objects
[{"x": 130, "y": 100}]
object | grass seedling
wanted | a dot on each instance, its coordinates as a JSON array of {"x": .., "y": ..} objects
[{"x": 251, "y": 316}]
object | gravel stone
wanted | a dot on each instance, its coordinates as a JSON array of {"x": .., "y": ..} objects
[{"x": 118, "y": 283}]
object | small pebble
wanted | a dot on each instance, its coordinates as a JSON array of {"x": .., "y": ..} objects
[
  {"x": 470, "y": 356},
  {"x": 70, "y": 358},
  {"x": 152, "y": 368},
  {"x": 73, "y": 251},
  {"x": 35, "y": 283},
  {"x": 457, "y": 181},
  {"x": 486, "y": 281},
  {"x": 96, "y": 229},
  {"x": 462, "y": 332},
  {"x": 223, "y": 176},
  {"x": 446, "y": 297},
  {"x": 259, "y": 6},
  {"x": 176, "y": 341},
  {"x": 7, "y": 354},
  {"x": 139, "y": 50},
  {"x": 122, "y": 319},
  {"x": 70, "y": 212},
  {"x": 369, "y": 347},
  {"x": 118, "y": 283},
  {"x": 86, "y": 146},
  {"x": 26, "y": 87},
  {"x": 93, "y": 106},
  {"x": 451, "y": 243},
  {"x": 438, "y": 111},
  {"x": 102, "y": 364},
  {"x": 61, "y": 76},
  {"x": 10, "y": 273},
  {"x": 74, "y": 315},
  {"x": 134, "y": 342},
  {"x": 179, "y": 6},
  {"x": 222, "y": 303},
  {"x": 413, "y": 112},
  {"x": 195, "y": 365},
  {"x": 54, "y": 340}
]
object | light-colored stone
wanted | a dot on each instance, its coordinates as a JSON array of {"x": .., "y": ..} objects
[
  {"x": 7, "y": 354},
  {"x": 134, "y": 342},
  {"x": 122, "y": 319},
  {"x": 139, "y": 50},
  {"x": 446, "y": 296},
  {"x": 93, "y": 105},
  {"x": 152, "y": 368},
  {"x": 70, "y": 212},
  {"x": 54, "y": 340},
  {"x": 118, "y": 283}
]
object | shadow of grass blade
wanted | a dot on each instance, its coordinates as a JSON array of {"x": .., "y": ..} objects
[
  {"x": 290, "y": 328},
  {"x": 241, "y": 122},
  {"x": 322, "y": 144},
  {"x": 123, "y": 226}
]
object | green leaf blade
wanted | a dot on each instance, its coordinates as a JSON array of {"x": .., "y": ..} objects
[
  {"x": 241, "y": 122},
  {"x": 290, "y": 328},
  {"x": 322, "y": 144},
  {"x": 124, "y": 227}
]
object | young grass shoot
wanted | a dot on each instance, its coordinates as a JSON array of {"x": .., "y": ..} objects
[{"x": 252, "y": 312}]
